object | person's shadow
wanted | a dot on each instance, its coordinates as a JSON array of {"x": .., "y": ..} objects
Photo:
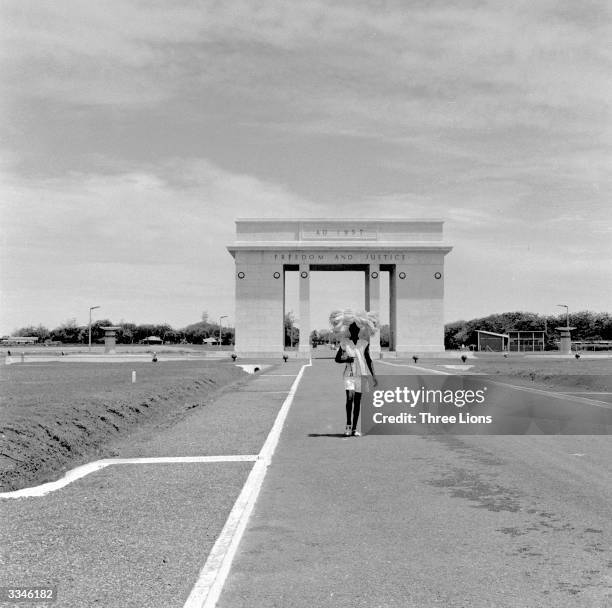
[{"x": 340, "y": 435}]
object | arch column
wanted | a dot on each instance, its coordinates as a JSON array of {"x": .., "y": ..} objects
[
  {"x": 259, "y": 307},
  {"x": 372, "y": 303},
  {"x": 419, "y": 304},
  {"x": 304, "y": 289}
]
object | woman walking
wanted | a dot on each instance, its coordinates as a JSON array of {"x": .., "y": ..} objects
[{"x": 354, "y": 352}]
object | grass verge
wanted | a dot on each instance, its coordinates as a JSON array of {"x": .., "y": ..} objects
[{"x": 56, "y": 416}]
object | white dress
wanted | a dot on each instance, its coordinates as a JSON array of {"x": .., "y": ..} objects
[{"x": 355, "y": 372}]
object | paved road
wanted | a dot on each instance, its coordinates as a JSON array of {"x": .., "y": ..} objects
[
  {"x": 512, "y": 521},
  {"x": 376, "y": 521}
]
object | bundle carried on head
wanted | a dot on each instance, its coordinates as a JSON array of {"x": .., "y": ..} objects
[{"x": 366, "y": 321}]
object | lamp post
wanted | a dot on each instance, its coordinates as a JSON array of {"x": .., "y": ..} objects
[
  {"x": 222, "y": 317},
  {"x": 566, "y": 313},
  {"x": 90, "y": 309},
  {"x": 565, "y": 342}
]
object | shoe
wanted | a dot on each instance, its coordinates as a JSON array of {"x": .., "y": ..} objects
[
  {"x": 356, "y": 433},
  {"x": 347, "y": 430}
]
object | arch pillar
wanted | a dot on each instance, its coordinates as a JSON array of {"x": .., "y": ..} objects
[
  {"x": 372, "y": 302},
  {"x": 304, "y": 290}
]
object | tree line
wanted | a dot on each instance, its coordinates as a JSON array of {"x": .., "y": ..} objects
[
  {"x": 327, "y": 336},
  {"x": 590, "y": 326},
  {"x": 71, "y": 332}
]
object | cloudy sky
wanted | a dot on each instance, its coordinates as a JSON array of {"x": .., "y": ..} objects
[{"x": 133, "y": 133}]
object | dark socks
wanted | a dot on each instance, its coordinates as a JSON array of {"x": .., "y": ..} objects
[
  {"x": 356, "y": 409},
  {"x": 353, "y": 408},
  {"x": 349, "y": 407}
]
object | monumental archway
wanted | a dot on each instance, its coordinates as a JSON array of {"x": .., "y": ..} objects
[{"x": 412, "y": 251}]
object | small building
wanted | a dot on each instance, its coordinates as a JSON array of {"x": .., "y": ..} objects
[
  {"x": 491, "y": 341},
  {"x": 526, "y": 341},
  {"x": 16, "y": 340},
  {"x": 153, "y": 340}
]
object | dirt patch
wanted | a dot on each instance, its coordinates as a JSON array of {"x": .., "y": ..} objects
[{"x": 57, "y": 416}]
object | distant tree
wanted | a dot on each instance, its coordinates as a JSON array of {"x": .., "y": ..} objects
[
  {"x": 451, "y": 330},
  {"x": 69, "y": 333},
  {"x": 142, "y": 332},
  {"x": 196, "y": 332},
  {"x": 385, "y": 335},
  {"x": 228, "y": 335},
  {"x": 41, "y": 332},
  {"x": 97, "y": 333},
  {"x": 172, "y": 336},
  {"x": 162, "y": 330},
  {"x": 126, "y": 334},
  {"x": 326, "y": 336},
  {"x": 589, "y": 326},
  {"x": 291, "y": 332}
]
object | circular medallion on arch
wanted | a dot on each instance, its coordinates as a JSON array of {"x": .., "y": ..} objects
[
  {"x": 276, "y": 275},
  {"x": 374, "y": 275},
  {"x": 241, "y": 275},
  {"x": 438, "y": 275},
  {"x": 402, "y": 275},
  {"x": 304, "y": 274}
]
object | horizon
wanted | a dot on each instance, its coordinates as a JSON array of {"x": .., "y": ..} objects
[{"x": 560, "y": 316}]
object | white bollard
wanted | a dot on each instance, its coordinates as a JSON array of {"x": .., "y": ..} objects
[{"x": 133, "y": 377}]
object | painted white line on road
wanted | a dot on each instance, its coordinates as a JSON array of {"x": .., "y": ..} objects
[
  {"x": 425, "y": 369},
  {"x": 211, "y": 579},
  {"x": 587, "y": 393},
  {"x": 279, "y": 375},
  {"x": 91, "y": 467},
  {"x": 266, "y": 392},
  {"x": 554, "y": 395},
  {"x": 185, "y": 459}
]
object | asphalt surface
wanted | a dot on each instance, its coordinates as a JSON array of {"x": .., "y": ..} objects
[
  {"x": 505, "y": 521},
  {"x": 377, "y": 521}
]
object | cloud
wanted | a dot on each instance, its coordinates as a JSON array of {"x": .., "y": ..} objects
[
  {"x": 136, "y": 236},
  {"x": 380, "y": 56}
]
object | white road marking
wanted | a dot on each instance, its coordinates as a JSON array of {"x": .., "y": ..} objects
[
  {"x": 554, "y": 395},
  {"x": 91, "y": 467},
  {"x": 211, "y": 579},
  {"x": 279, "y": 375},
  {"x": 266, "y": 392},
  {"x": 587, "y": 393},
  {"x": 425, "y": 369}
]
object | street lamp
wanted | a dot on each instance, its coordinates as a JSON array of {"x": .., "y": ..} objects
[
  {"x": 566, "y": 313},
  {"x": 565, "y": 340},
  {"x": 222, "y": 317},
  {"x": 91, "y": 308}
]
